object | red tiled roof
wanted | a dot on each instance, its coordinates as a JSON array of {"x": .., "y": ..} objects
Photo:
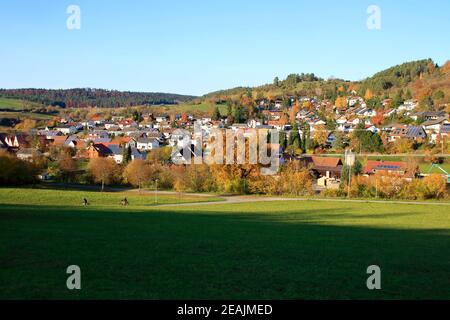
[
  {"x": 59, "y": 140},
  {"x": 373, "y": 165},
  {"x": 326, "y": 162}
]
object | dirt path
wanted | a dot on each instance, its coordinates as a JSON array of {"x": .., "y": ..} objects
[
  {"x": 247, "y": 199},
  {"x": 240, "y": 199}
]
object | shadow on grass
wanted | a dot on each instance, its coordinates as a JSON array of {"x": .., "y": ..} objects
[{"x": 172, "y": 254}]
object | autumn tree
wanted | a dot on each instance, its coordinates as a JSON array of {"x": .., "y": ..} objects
[
  {"x": 295, "y": 181},
  {"x": 293, "y": 111},
  {"x": 368, "y": 95},
  {"x": 15, "y": 171},
  {"x": 137, "y": 172},
  {"x": 435, "y": 186},
  {"x": 402, "y": 145},
  {"x": 341, "y": 102},
  {"x": 378, "y": 119},
  {"x": 160, "y": 155},
  {"x": 102, "y": 170},
  {"x": 320, "y": 135},
  {"x": 27, "y": 124}
]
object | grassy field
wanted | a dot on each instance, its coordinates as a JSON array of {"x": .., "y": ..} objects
[
  {"x": 265, "y": 250},
  {"x": 425, "y": 167},
  {"x": 25, "y": 115},
  {"x": 16, "y": 104},
  {"x": 204, "y": 109},
  {"x": 97, "y": 200}
]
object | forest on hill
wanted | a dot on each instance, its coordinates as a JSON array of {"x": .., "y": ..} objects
[
  {"x": 423, "y": 80},
  {"x": 87, "y": 97}
]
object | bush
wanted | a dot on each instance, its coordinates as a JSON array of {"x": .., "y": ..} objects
[{"x": 15, "y": 171}]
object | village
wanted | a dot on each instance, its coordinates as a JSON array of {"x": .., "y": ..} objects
[
  {"x": 315, "y": 141},
  {"x": 202, "y": 156}
]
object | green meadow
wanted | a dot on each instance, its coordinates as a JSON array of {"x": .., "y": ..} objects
[
  {"x": 204, "y": 108},
  {"x": 17, "y": 104},
  {"x": 25, "y": 115},
  {"x": 260, "y": 250}
]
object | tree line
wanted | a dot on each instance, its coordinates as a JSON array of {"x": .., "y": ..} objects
[{"x": 86, "y": 97}]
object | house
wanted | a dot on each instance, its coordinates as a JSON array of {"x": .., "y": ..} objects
[
  {"x": 277, "y": 124},
  {"x": 117, "y": 153},
  {"x": 17, "y": 141},
  {"x": 88, "y": 124},
  {"x": 434, "y": 126},
  {"x": 389, "y": 112},
  {"x": 75, "y": 143},
  {"x": 416, "y": 133},
  {"x": 111, "y": 126},
  {"x": 323, "y": 166},
  {"x": 27, "y": 153},
  {"x": 162, "y": 118},
  {"x": 127, "y": 123},
  {"x": 58, "y": 141},
  {"x": 98, "y": 134},
  {"x": 372, "y": 128},
  {"x": 328, "y": 183},
  {"x": 385, "y": 167},
  {"x": 431, "y": 115},
  {"x": 408, "y": 105},
  {"x": 97, "y": 119},
  {"x": 49, "y": 134},
  {"x": 272, "y": 114},
  {"x": 147, "y": 143},
  {"x": 442, "y": 135},
  {"x": 66, "y": 129},
  {"x": 327, "y": 166},
  {"x": 97, "y": 150}
]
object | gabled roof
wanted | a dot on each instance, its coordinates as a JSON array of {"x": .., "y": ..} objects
[
  {"x": 326, "y": 162},
  {"x": 59, "y": 140},
  {"x": 373, "y": 166},
  {"x": 433, "y": 122},
  {"x": 415, "y": 132},
  {"x": 147, "y": 140}
]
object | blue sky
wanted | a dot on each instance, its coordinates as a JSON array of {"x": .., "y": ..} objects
[{"x": 197, "y": 46}]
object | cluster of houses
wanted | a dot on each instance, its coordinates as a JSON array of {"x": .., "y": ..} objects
[
  {"x": 434, "y": 128},
  {"x": 120, "y": 136}
]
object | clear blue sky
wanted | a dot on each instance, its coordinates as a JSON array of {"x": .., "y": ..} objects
[{"x": 197, "y": 46}]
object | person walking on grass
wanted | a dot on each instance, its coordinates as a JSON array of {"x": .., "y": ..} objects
[{"x": 85, "y": 202}]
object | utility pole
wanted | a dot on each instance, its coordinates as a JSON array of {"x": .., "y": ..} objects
[
  {"x": 156, "y": 191},
  {"x": 349, "y": 161},
  {"x": 376, "y": 188},
  {"x": 349, "y": 180}
]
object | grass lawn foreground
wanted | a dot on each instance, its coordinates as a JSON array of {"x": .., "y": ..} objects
[{"x": 261, "y": 250}]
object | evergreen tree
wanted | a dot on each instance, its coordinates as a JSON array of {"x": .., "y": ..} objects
[
  {"x": 126, "y": 154},
  {"x": 306, "y": 139},
  {"x": 216, "y": 114},
  {"x": 294, "y": 138},
  {"x": 283, "y": 140}
]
